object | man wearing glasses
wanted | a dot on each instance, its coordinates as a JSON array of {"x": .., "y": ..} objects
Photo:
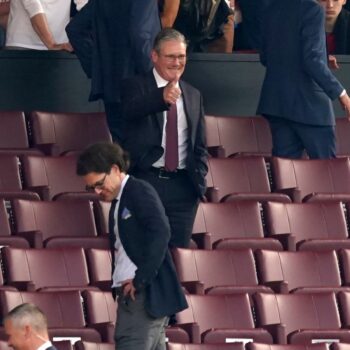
[
  {"x": 143, "y": 274},
  {"x": 165, "y": 135}
]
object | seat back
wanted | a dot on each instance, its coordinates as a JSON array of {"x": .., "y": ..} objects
[
  {"x": 236, "y": 175},
  {"x": 57, "y": 173},
  {"x": 13, "y": 130},
  {"x": 70, "y": 131},
  {"x": 46, "y": 268},
  {"x": 299, "y": 269},
  {"x": 306, "y": 220},
  {"x": 10, "y": 179},
  {"x": 100, "y": 267},
  {"x": 216, "y": 267},
  {"x": 312, "y": 176},
  {"x": 55, "y": 219}
]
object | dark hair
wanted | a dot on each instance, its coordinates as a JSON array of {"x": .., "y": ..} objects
[
  {"x": 167, "y": 34},
  {"x": 100, "y": 157}
]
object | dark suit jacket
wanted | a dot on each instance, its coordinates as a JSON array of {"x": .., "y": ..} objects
[
  {"x": 298, "y": 84},
  {"x": 144, "y": 232},
  {"x": 113, "y": 40},
  {"x": 342, "y": 33},
  {"x": 143, "y": 107}
]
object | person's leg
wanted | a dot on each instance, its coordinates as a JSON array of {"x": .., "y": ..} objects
[
  {"x": 319, "y": 141},
  {"x": 135, "y": 329},
  {"x": 114, "y": 120},
  {"x": 161, "y": 345},
  {"x": 285, "y": 140}
]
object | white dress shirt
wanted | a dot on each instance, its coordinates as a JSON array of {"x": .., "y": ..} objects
[
  {"x": 182, "y": 127},
  {"x": 124, "y": 268}
]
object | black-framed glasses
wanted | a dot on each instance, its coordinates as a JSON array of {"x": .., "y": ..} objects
[
  {"x": 173, "y": 58},
  {"x": 98, "y": 185}
]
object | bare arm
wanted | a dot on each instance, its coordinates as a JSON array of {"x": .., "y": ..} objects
[
  {"x": 170, "y": 10},
  {"x": 4, "y": 12}
]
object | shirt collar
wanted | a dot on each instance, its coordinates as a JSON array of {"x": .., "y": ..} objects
[
  {"x": 161, "y": 82},
  {"x": 121, "y": 188},
  {"x": 45, "y": 346}
]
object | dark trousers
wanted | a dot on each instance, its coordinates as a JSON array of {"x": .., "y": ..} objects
[
  {"x": 290, "y": 139},
  {"x": 114, "y": 120},
  {"x": 180, "y": 202}
]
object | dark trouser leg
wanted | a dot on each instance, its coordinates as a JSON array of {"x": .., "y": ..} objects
[
  {"x": 135, "y": 329},
  {"x": 114, "y": 120},
  {"x": 180, "y": 202}
]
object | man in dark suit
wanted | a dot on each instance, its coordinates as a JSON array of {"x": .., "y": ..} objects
[
  {"x": 165, "y": 135},
  {"x": 26, "y": 328},
  {"x": 143, "y": 273},
  {"x": 113, "y": 40},
  {"x": 298, "y": 86}
]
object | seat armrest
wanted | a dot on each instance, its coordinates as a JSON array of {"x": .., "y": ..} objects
[
  {"x": 212, "y": 195},
  {"x": 49, "y": 149},
  {"x": 294, "y": 193},
  {"x": 42, "y": 191},
  {"x": 35, "y": 238},
  {"x": 193, "y": 331},
  {"x": 287, "y": 240},
  {"x": 203, "y": 240},
  {"x": 217, "y": 151},
  {"x": 194, "y": 287},
  {"x": 278, "y": 332},
  {"x": 280, "y": 287}
]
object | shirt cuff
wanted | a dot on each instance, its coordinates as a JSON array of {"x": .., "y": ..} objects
[{"x": 343, "y": 93}]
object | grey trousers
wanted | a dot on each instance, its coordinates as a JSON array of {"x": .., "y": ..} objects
[{"x": 135, "y": 329}]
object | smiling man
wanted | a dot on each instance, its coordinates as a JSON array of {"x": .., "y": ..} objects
[
  {"x": 165, "y": 136},
  {"x": 337, "y": 26},
  {"x": 143, "y": 274}
]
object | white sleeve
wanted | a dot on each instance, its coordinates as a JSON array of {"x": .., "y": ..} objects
[
  {"x": 80, "y": 4},
  {"x": 33, "y": 7}
]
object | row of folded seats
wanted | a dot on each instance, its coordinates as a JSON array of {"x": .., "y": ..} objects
[
  {"x": 229, "y": 225},
  {"x": 56, "y": 133},
  {"x": 231, "y": 309},
  {"x": 229, "y": 179}
]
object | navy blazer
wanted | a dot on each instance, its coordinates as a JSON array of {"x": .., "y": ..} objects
[
  {"x": 113, "y": 40},
  {"x": 298, "y": 84},
  {"x": 144, "y": 232},
  {"x": 143, "y": 107}
]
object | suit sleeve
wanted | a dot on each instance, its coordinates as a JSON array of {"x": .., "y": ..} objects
[
  {"x": 313, "y": 41},
  {"x": 150, "y": 215},
  {"x": 137, "y": 103},
  {"x": 79, "y": 32},
  {"x": 144, "y": 26}
]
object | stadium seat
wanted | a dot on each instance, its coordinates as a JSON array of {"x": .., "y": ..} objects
[
  {"x": 217, "y": 271},
  {"x": 300, "y": 318},
  {"x": 312, "y": 180},
  {"x": 259, "y": 346},
  {"x": 63, "y": 345},
  {"x": 100, "y": 268},
  {"x": 232, "y": 346},
  {"x": 64, "y": 312},
  {"x": 218, "y": 319},
  {"x": 50, "y": 176},
  {"x": 101, "y": 312},
  {"x": 243, "y": 178},
  {"x": 299, "y": 271},
  {"x": 343, "y": 139},
  {"x": 46, "y": 269},
  {"x": 344, "y": 261},
  {"x": 58, "y": 224},
  {"x": 13, "y": 134},
  {"x": 83, "y": 345},
  {"x": 308, "y": 226},
  {"x": 231, "y": 225},
  {"x": 239, "y": 135},
  {"x": 57, "y": 133}
]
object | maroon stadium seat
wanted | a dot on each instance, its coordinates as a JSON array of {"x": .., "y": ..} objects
[
  {"x": 344, "y": 257},
  {"x": 243, "y": 178},
  {"x": 64, "y": 312},
  {"x": 101, "y": 312},
  {"x": 299, "y": 271},
  {"x": 56, "y": 133},
  {"x": 300, "y": 318},
  {"x": 216, "y": 319},
  {"x": 217, "y": 271},
  {"x": 58, "y": 223},
  {"x": 228, "y": 225},
  {"x": 344, "y": 307},
  {"x": 239, "y": 135},
  {"x": 259, "y": 346},
  {"x": 313, "y": 180},
  {"x": 50, "y": 176},
  {"x": 46, "y": 269},
  {"x": 233, "y": 346},
  {"x": 308, "y": 226},
  {"x": 83, "y": 345}
]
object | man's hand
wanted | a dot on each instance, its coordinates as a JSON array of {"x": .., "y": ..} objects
[
  {"x": 345, "y": 102},
  {"x": 171, "y": 92},
  {"x": 332, "y": 62},
  {"x": 64, "y": 46},
  {"x": 129, "y": 289}
]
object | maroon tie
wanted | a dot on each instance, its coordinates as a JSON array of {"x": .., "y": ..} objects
[{"x": 171, "y": 144}]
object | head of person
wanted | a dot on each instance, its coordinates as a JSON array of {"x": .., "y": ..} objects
[
  {"x": 332, "y": 8},
  {"x": 103, "y": 167},
  {"x": 26, "y": 327},
  {"x": 169, "y": 54}
]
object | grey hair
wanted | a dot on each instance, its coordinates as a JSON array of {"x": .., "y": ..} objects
[
  {"x": 28, "y": 314},
  {"x": 168, "y": 34}
]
